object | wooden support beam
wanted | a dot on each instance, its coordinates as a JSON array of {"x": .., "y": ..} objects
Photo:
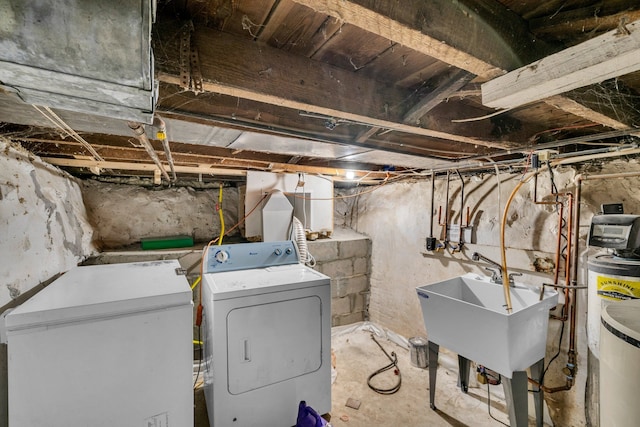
[
  {"x": 610, "y": 55},
  {"x": 444, "y": 89},
  {"x": 488, "y": 38},
  {"x": 366, "y": 134},
  {"x": 570, "y": 106},
  {"x": 440, "y": 93},
  {"x": 245, "y": 69},
  {"x": 141, "y": 167},
  {"x": 583, "y": 22},
  {"x": 205, "y": 169}
]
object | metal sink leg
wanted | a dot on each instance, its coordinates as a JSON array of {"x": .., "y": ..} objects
[
  {"x": 515, "y": 391},
  {"x": 463, "y": 373},
  {"x": 433, "y": 370}
]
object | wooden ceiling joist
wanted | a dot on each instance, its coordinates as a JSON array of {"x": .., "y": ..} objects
[
  {"x": 429, "y": 102},
  {"x": 604, "y": 57},
  {"x": 247, "y": 70},
  {"x": 206, "y": 169},
  {"x": 570, "y": 106},
  {"x": 582, "y": 22},
  {"x": 443, "y": 90},
  {"x": 426, "y": 28},
  {"x": 142, "y": 167}
]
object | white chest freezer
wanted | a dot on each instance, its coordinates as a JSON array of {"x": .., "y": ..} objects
[
  {"x": 267, "y": 335},
  {"x": 106, "y": 345}
]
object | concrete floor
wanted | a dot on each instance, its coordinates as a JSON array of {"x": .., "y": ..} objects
[{"x": 357, "y": 356}]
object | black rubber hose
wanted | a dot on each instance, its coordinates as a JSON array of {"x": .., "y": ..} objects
[{"x": 393, "y": 365}]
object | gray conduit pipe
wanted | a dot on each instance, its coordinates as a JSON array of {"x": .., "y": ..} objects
[
  {"x": 162, "y": 136},
  {"x": 138, "y": 129}
]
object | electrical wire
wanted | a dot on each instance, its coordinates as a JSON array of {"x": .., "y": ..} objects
[
  {"x": 489, "y": 407},
  {"x": 393, "y": 365},
  {"x": 220, "y": 213},
  {"x": 348, "y": 196},
  {"x": 555, "y": 356},
  {"x": 62, "y": 125},
  {"x": 206, "y": 251},
  {"x": 195, "y": 382},
  {"x": 475, "y": 119}
]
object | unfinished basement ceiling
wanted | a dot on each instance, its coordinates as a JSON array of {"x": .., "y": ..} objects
[{"x": 319, "y": 86}]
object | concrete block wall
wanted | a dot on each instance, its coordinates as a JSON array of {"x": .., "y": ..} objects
[{"x": 346, "y": 259}]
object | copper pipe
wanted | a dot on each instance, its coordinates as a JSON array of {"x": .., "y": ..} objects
[
  {"x": 574, "y": 269},
  {"x": 568, "y": 263},
  {"x": 568, "y": 260},
  {"x": 571, "y": 272},
  {"x": 461, "y": 208},
  {"x": 569, "y": 197},
  {"x": 546, "y": 389},
  {"x": 556, "y": 275},
  {"x": 446, "y": 210}
]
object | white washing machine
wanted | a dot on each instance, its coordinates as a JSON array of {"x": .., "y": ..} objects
[{"x": 267, "y": 335}]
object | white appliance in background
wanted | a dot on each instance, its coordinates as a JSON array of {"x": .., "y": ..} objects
[
  {"x": 277, "y": 215},
  {"x": 267, "y": 335},
  {"x": 104, "y": 345},
  {"x": 313, "y": 196}
]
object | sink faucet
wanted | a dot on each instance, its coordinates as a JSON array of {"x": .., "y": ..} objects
[{"x": 496, "y": 273}]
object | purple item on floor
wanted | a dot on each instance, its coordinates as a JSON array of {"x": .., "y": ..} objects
[{"x": 308, "y": 417}]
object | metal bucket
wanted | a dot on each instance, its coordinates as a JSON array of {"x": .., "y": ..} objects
[{"x": 418, "y": 347}]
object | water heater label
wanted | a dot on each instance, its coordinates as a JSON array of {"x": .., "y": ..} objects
[{"x": 616, "y": 289}]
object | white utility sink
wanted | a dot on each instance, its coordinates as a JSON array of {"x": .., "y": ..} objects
[{"x": 467, "y": 314}]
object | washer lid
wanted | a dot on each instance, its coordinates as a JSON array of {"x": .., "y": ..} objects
[
  {"x": 623, "y": 320},
  {"x": 99, "y": 291},
  {"x": 241, "y": 283}
]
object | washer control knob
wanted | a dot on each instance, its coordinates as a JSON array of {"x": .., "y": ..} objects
[
  {"x": 222, "y": 256},
  {"x": 288, "y": 251},
  {"x": 278, "y": 252}
]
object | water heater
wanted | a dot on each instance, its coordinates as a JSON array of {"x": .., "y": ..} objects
[{"x": 613, "y": 276}]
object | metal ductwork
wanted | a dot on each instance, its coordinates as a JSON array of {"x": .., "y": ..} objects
[{"x": 84, "y": 56}]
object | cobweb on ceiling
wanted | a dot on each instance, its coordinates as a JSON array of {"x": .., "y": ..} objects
[{"x": 614, "y": 99}]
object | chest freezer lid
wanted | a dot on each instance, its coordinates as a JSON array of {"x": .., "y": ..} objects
[
  {"x": 103, "y": 291},
  {"x": 241, "y": 283}
]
